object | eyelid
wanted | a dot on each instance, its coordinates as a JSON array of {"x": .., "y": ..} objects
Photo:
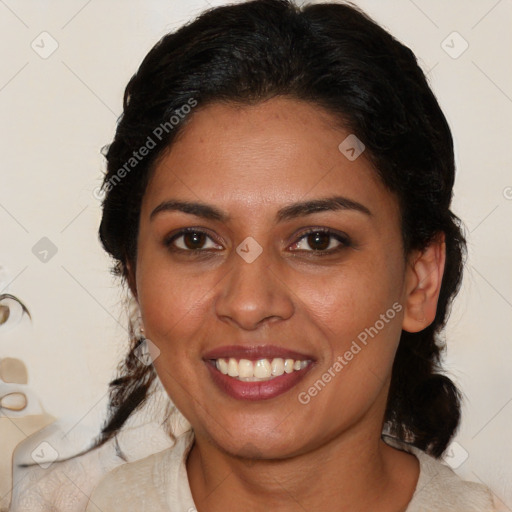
[
  {"x": 341, "y": 237},
  {"x": 171, "y": 238}
]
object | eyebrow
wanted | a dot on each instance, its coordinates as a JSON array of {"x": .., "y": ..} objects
[{"x": 289, "y": 212}]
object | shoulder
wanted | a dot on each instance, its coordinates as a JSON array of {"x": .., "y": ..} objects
[
  {"x": 142, "y": 484},
  {"x": 439, "y": 488},
  {"x": 130, "y": 483}
]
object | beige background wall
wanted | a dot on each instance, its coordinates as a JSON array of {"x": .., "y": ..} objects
[{"x": 57, "y": 112}]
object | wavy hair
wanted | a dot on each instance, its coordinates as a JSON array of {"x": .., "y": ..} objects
[{"x": 333, "y": 56}]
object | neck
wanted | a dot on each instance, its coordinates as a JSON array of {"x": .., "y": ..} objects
[{"x": 354, "y": 471}]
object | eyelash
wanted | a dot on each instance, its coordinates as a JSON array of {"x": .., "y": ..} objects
[{"x": 344, "y": 240}]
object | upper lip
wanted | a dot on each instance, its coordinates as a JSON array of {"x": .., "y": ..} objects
[{"x": 255, "y": 352}]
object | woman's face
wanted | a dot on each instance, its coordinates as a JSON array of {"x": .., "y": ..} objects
[{"x": 247, "y": 282}]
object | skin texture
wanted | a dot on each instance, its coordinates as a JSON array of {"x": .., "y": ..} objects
[{"x": 250, "y": 161}]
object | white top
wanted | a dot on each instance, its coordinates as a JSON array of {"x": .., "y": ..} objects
[{"x": 159, "y": 483}]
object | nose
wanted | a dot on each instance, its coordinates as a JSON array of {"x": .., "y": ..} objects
[{"x": 253, "y": 294}]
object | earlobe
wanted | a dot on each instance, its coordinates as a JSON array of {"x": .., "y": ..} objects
[{"x": 423, "y": 282}]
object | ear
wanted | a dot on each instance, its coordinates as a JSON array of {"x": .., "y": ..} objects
[
  {"x": 131, "y": 280},
  {"x": 424, "y": 276}
]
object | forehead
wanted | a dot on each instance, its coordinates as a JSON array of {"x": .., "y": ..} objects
[{"x": 264, "y": 155}]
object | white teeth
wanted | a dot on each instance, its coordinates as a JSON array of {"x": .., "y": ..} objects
[
  {"x": 245, "y": 368},
  {"x": 277, "y": 366},
  {"x": 260, "y": 370},
  {"x": 232, "y": 367},
  {"x": 222, "y": 366},
  {"x": 288, "y": 366}
]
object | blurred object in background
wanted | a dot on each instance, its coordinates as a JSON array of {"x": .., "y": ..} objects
[
  {"x": 11, "y": 312},
  {"x": 21, "y": 413}
]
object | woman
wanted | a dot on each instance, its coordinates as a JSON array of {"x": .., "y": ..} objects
[{"x": 278, "y": 201}]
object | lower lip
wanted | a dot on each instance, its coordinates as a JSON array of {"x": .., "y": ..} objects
[{"x": 262, "y": 390}]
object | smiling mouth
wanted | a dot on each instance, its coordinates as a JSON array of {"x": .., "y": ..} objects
[{"x": 259, "y": 370}]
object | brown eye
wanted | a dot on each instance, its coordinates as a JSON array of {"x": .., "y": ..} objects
[
  {"x": 191, "y": 240},
  {"x": 319, "y": 241},
  {"x": 194, "y": 240}
]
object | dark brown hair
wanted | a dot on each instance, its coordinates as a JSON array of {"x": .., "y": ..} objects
[{"x": 333, "y": 56}]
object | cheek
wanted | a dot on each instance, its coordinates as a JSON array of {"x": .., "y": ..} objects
[
  {"x": 357, "y": 315},
  {"x": 352, "y": 297},
  {"x": 173, "y": 305}
]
